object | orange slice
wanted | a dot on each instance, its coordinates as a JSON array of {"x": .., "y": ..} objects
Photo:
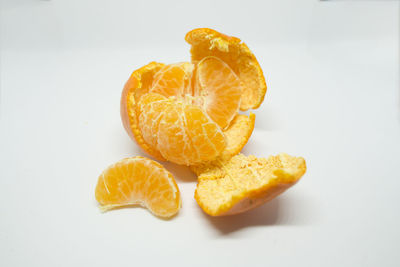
[
  {"x": 207, "y": 42},
  {"x": 138, "y": 181},
  {"x": 242, "y": 183}
]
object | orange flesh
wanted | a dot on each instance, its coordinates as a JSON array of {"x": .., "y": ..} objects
[
  {"x": 220, "y": 88},
  {"x": 138, "y": 181},
  {"x": 181, "y": 132}
]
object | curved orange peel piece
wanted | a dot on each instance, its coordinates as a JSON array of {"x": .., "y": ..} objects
[
  {"x": 208, "y": 42},
  {"x": 138, "y": 84},
  {"x": 243, "y": 183}
]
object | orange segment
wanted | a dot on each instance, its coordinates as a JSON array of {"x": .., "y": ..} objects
[
  {"x": 207, "y": 42},
  {"x": 207, "y": 139},
  {"x": 173, "y": 80},
  {"x": 173, "y": 140},
  {"x": 242, "y": 183},
  {"x": 151, "y": 109},
  {"x": 182, "y": 133},
  {"x": 220, "y": 89},
  {"x": 138, "y": 181}
]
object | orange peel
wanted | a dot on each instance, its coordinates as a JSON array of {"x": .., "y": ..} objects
[
  {"x": 243, "y": 183},
  {"x": 137, "y": 85},
  {"x": 208, "y": 42}
]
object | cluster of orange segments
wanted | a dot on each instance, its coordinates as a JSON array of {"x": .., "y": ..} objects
[{"x": 188, "y": 113}]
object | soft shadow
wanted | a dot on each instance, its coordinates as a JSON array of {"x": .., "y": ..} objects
[
  {"x": 181, "y": 173},
  {"x": 268, "y": 119},
  {"x": 134, "y": 206},
  {"x": 125, "y": 146},
  {"x": 252, "y": 148},
  {"x": 291, "y": 210},
  {"x": 267, "y": 214}
]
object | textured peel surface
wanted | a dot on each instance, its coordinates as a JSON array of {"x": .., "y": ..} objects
[{"x": 242, "y": 183}]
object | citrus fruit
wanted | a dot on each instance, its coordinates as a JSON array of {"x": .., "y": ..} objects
[
  {"x": 179, "y": 116},
  {"x": 242, "y": 183},
  {"x": 138, "y": 181},
  {"x": 182, "y": 112},
  {"x": 207, "y": 42}
]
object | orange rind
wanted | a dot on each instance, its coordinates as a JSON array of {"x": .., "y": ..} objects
[
  {"x": 243, "y": 183},
  {"x": 138, "y": 84}
]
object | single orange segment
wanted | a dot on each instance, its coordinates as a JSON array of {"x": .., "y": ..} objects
[
  {"x": 218, "y": 90},
  {"x": 138, "y": 181}
]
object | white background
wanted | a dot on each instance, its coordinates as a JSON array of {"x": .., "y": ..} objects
[{"x": 333, "y": 97}]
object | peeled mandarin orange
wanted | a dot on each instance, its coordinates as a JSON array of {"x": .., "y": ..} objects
[
  {"x": 188, "y": 108},
  {"x": 243, "y": 183},
  {"x": 207, "y": 42},
  {"x": 138, "y": 181},
  {"x": 173, "y": 120},
  {"x": 181, "y": 132}
]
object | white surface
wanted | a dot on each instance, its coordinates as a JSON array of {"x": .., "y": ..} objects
[{"x": 333, "y": 97}]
